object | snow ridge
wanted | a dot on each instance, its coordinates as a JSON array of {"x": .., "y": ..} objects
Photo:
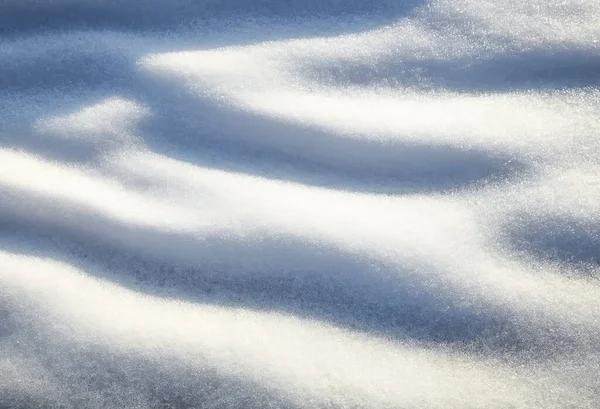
[{"x": 299, "y": 204}]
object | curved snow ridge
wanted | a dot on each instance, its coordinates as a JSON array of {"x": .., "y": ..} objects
[
  {"x": 324, "y": 364},
  {"x": 299, "y": 205}
]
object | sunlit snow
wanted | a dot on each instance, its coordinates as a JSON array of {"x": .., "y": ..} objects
[{"x": 300, "y": 204}]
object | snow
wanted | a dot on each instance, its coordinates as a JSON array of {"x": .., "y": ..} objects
[{"x": 299, "y": 204}]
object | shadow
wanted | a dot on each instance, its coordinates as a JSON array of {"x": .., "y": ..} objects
[
  {"x": 69, "y": 150},
  {"x": 538, "y": 70},
  {"x": 8, "y": 324},
  {"x": 66, "y": 68},
  {"x": 569, "y": 241},
  {"x": 200, "y": 131},
  {"x": 267, "y": 273},
  {"x": 26, "y": 16},
  {"x": 92, "y": 373},
  {"x": 19, "y": 400}
]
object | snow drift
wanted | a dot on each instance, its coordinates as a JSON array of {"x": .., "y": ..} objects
[{"x": 299, "y": 204}]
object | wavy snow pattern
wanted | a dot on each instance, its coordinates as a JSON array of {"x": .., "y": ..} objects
[{"x": 299, "y": 204}]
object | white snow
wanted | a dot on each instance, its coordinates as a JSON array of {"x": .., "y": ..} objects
[{"x": 299, "y": 204}]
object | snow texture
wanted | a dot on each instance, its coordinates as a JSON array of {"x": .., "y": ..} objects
[{"x": 300, "y": 204}]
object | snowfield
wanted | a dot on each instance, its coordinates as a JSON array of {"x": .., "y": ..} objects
[{"x": 300, "y": 204}]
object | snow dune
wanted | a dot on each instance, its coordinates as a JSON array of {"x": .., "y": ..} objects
[{"x": 299, "y": 204}]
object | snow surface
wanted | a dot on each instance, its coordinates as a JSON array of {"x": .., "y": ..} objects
[{"x": 299, "y": 204}]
